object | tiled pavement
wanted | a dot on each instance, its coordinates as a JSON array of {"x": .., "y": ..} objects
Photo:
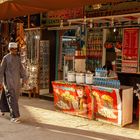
[{"x": 40, "y": 113}]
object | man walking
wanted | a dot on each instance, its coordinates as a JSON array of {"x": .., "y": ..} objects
[{"x": 11, "y": 71}]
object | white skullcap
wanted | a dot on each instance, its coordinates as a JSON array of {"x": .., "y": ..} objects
[
  {"x": 12, "y": 45},
  {"x": 113, "y": 62}
]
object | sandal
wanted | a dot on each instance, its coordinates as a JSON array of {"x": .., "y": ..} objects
[
  {"x": 15, "y": 120},
  {"x": 2, "y": 113}
]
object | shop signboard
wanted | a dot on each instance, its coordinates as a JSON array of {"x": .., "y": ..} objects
[
  {"x": 108, "y": 9},
  {"x": 130, "y": 44},
  {"x": 54, "y": 17},
  {"x": 130, "y": 50},
  {"x": 107, "y": 104}
]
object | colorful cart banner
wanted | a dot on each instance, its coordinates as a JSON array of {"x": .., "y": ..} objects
[
  {"x": 72, "y": 98},
  {"x": 107, "y": 104},
  {"x": 101, "y": 103}
]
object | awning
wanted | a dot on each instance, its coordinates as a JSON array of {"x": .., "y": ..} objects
[
  {"x": 14, "y": 8},
  {"x": 60, "y": 4},
  {"x": 10, "y": 10}
]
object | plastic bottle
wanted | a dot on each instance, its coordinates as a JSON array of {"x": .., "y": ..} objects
[{"x": 118, "y": 84}]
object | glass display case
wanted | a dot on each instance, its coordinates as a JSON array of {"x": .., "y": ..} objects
[
  {"x": 32, "y": 42},
  {"x": 69, "y": 45},
  {"x": 38, "y": 60},
  {"x": 67, "y": 50}
]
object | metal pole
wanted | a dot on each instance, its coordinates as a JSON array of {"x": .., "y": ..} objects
[{"x": 139, "y": 113}]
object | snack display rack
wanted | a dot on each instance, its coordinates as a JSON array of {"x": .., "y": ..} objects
[
  {"x": 94, "y": 48},
  {"x": 119, "y": 61}
]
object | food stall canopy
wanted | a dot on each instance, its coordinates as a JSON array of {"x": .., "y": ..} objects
[
  {"x": 60, "y": 4},
  {"x": 15, "y": 8},
  {"x": 10, "y": 10}
]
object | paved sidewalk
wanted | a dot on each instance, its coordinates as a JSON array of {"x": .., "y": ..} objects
[{"x": 40, "y": 121}]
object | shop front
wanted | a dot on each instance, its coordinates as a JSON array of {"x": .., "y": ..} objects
[
  {"x": 72, "y": 51},
  {"x": 110, "y": 37}
]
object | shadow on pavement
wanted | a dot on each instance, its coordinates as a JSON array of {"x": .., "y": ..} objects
[{"x": 80, "y": 134}]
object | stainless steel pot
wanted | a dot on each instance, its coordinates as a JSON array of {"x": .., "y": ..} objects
[
  {"x": 80, "y": 78},
  {"x": 71, "y": 76},
  {"x": 89, "y": 78}
]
